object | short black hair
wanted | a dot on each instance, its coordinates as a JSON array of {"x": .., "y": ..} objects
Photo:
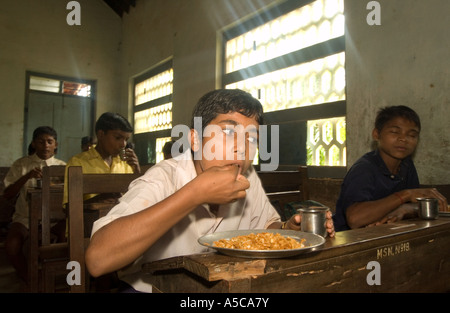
[
  {"x": 87, "y": 140},
  {"x": 47, "y": 130},
  {"x": 223, "y": 101},
  {"x": 167, "y": 148},
  {"x": 113, "y": 121},
  {"x": 388, "y": 113},
  {"x": 31, "y": 149}
]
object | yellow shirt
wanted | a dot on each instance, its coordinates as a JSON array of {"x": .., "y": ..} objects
[{"x": 92, "y": 163}]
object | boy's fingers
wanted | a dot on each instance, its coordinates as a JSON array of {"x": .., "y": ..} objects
[
  {"x": 240, "y": 194},
  {"x": 236, "y": 169},
  {"x": 242, "y": 183},
  {"x": 239, "y": 171}
]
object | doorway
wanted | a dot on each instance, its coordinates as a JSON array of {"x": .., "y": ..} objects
[{"x": 66, "y": 104}]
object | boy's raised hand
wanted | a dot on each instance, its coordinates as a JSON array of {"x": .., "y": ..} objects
[
  {"x": 132, "y": 160},
  {"x": 224, "y": 184},
  {"x": 35, "y": 173}
]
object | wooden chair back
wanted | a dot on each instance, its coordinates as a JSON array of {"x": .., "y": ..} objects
[
  {"x": 444, "y": 189},
  {"x": 285, "y": 186},
  {"x": 42, "y": 214},
  {"x": 80, "y": 184},
  {"x": 52, "y": 209}
]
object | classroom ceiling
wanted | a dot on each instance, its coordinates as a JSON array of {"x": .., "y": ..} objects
[{"x": 120, "y": 6}]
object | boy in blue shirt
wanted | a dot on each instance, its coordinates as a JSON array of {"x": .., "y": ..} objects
[{"x": 382, "y": 185}]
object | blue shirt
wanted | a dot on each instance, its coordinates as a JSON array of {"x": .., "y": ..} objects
[{"x": 369, "y": 179}]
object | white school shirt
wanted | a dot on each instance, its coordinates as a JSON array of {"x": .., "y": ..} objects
[
  {"x": 163, "y": 179},
  {"x": 18, "y": 169}
]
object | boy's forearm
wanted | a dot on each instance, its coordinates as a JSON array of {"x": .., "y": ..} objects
[
  {"x": 13, "y": 190},
  {"x": 276, "y": 225},
  {"x": 364, "y": 213},
  {"x": 122, "y": 241}
]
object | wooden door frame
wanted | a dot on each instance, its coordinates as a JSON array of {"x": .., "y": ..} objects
[{"x": 93, "y": 84}]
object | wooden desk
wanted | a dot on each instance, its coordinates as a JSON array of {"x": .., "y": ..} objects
[
  {"x": 413, "y": 256},
  {"x": 35, "y": 214}
]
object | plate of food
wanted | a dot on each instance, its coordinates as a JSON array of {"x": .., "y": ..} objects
[{"x": 262, "y": 243}]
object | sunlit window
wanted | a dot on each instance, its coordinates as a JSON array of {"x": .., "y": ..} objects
[
  {"x": 44, "y": 84},
  {"x": 59, "y": 86},
  {"x": 320, "y": 21},
  {"x": 160, "y": 142},
  {"x": 76, "y": 89},
  {"x": 326, "y": 142},
  {"x": 154, "y": 87},
  {"x": 153, "y": 119},
  {"x": 294, "y": 60},
  {"x": 315, "y": 82},
  {"x": 152, "y": 111},
  {"x": 150, "y": 93}
]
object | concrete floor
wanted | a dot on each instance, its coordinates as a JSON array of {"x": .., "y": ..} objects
[{"x": 9, "y": 281}]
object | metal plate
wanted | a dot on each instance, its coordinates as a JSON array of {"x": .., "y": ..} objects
[{"x": 313, "y": 242}]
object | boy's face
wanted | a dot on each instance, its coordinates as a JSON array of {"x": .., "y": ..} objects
[
  {"x": 112, "y": 141},
  {"x": 45, "y": 146},
  {"x": 232, "y": 139},
  {"x": 397, "y": 139}
]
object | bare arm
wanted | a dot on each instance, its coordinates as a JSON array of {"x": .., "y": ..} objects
[
  {"x": 122, "y": 241},
  {"x": 13, "y": 190},
  {"x": 365, "y": 213}
]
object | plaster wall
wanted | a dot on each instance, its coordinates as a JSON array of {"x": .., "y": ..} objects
[
  {"x": 186, "y": 31},
  {"x": 403, "y": 61},
  {"x": 35, "y": 37}
]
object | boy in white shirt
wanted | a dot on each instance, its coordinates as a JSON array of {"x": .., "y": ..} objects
[
  {"x": 22, "y": 175},
  {"x": 181, "y": 199}
]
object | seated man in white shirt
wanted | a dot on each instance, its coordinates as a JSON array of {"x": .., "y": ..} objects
[
  {"x": 181, "y": 199},
  {"x": 22, "y": 175}
]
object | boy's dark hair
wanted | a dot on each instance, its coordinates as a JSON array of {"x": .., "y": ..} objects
[
  {"x": 223, "y": 101},
  {"x": 112, "y": 121},
  {"x": 31, "y": 149},
  {"x": 45, "y": 130},
  {"x": 87, "y": 140},
  {"x": 167, "y": 148},
  {"x": 388, "y": 113}
]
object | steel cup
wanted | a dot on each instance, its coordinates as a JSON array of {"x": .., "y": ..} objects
[
  {"x": 314, "y": 220},
  {"x": 428, "y": 208},
  {"x": 122, "y": 155}
]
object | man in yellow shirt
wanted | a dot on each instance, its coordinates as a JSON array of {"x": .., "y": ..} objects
[{"x": 113, "y": 131}]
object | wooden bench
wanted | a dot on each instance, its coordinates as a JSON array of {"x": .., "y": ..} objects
[
  {"x": 412, "y": 255},
  {"x": 80, "y": 184},
  {"x": 6, "y": 205},
  {"x": 443, "y": 189},
  {"x": 46, "y": 256},
  {"x": 283, "y": 187}
]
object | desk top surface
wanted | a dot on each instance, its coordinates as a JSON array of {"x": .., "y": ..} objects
[
  {"x": 53, "y": 188},
  {"x": 214, "y": 266}
]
